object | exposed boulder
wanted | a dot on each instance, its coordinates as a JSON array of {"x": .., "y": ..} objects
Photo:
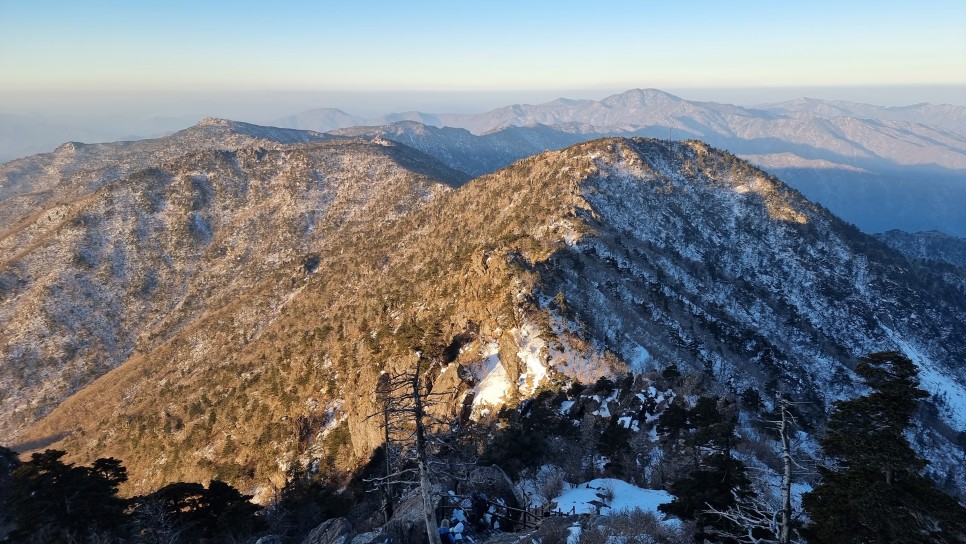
[
  {"x": 493, "y": 482},
  {"x": 332, "y": 531},
  {"x": 407, "y": 525}
]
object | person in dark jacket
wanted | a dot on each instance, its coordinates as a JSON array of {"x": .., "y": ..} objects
[{"x": 445, "y": 536}]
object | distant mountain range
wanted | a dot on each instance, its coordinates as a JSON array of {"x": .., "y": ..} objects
[{"x": 879, "y": 168}]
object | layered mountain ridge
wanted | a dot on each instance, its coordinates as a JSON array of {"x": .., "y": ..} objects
[
  {"x": 74, "y": 169},
  {"x": 608, "y": 256},
  {"x": 879, "y": 168}
]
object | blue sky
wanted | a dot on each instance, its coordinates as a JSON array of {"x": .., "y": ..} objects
[{"x": 177, "y": 45}]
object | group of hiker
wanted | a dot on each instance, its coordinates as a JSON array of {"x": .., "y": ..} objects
[{"x": 478, "y": 516}]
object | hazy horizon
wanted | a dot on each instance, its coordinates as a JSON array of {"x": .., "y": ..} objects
[
  {"x": 370, "y": 102},
  {"x": 37, "y": 122}
]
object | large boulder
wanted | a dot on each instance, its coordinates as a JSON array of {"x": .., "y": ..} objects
[
  {"x": 493, "y": 482},
  {"x": 408, "y": 525},
  {"x": 332, "y": 531},
  {"x": 494, "y": 501}
]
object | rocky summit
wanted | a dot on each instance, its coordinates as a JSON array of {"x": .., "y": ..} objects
[{"x": 228, "y": 313}]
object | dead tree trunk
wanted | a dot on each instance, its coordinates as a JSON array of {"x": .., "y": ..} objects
[
  {"x": 387, "y": 508},
  {"x": 759, "y": 520},
  {"x": 429, "y": 510},
  {"x": 784, "y": 536},
  {"x": 409, "y": 432}
]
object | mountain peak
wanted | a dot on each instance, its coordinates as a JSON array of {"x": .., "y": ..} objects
[
  {"x": 214, "y": 122},
  {"x": 640, "y": 96}
]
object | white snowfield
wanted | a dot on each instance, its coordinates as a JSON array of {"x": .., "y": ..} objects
[{"x": 613, "y": 496}]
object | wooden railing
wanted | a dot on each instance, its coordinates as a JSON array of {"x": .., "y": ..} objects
[{"x": 527, "y": 518}]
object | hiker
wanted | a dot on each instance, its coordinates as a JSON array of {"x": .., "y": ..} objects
[
  {"x": 479, "y": 510},
  {"x": 457, "y": 532},
  {"x": 445, "y": 536}
]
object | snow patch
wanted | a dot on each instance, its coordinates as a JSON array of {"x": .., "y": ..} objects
[
  {"x": 639, "y": 359},
  {"x": 612, "y": 496},
  {"x": 491, "y": 390},
  {"x": 531, "y": 352}
]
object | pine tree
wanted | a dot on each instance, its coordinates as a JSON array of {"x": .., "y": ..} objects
[
  {"x": 872, "y": 488},
  {"x": 54, "y": 501},
  {"x": 188, "y": 512},
  {"x": 717, "y": 480}
]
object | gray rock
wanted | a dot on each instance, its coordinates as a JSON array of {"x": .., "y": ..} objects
[
  {"x": 407, "y": 525},
  {"x": 333, "y": 531},
  {"x": 372, "y": 537}
]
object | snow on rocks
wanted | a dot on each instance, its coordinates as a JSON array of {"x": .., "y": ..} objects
[
  {"x": 533, "y": 354},
  {"x": 491, "y": 391}
]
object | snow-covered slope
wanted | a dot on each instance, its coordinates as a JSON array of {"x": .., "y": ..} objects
[{"x": 75, "y": 169}]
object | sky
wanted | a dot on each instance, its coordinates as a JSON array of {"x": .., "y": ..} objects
[
  {"x": 110, "y": 64},
  {"x": 176, "y": 45}
]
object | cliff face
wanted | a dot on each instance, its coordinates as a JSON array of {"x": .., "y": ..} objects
[{"x": 608, "y": 256}]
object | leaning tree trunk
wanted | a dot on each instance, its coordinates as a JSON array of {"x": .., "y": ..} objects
[{"x": 429, "y": 510}]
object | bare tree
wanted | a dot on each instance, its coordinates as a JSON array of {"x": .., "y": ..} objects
[
  {"x": 429, "y": 508},
  {"x": 784, "y": 533},
  {"x": 155, "y": 524},
  {"x": 759, "y": 519},
  {"x": 410, "y": 436}
]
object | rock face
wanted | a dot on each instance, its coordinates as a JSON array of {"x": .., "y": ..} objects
[
  {"x": 608, "y": 256},
  {"x": 339, "y": 531},
  {"x": 333, "y": 531},
  {"x": 407, "y": 525}
]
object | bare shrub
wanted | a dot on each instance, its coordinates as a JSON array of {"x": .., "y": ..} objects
[
  {"x": 633, "y": 527},
  {"x": 550, "y": 482},
  {"x": 553, "y": 530},
  {"x": 606, "y": 492}
]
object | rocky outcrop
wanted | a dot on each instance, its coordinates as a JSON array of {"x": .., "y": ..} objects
[
  {"x": 408, "y": 526},
  {"x": 493, "y": 482},
  {"x": 332, "y": 531},
  {"x": 372, "y": 537}
]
